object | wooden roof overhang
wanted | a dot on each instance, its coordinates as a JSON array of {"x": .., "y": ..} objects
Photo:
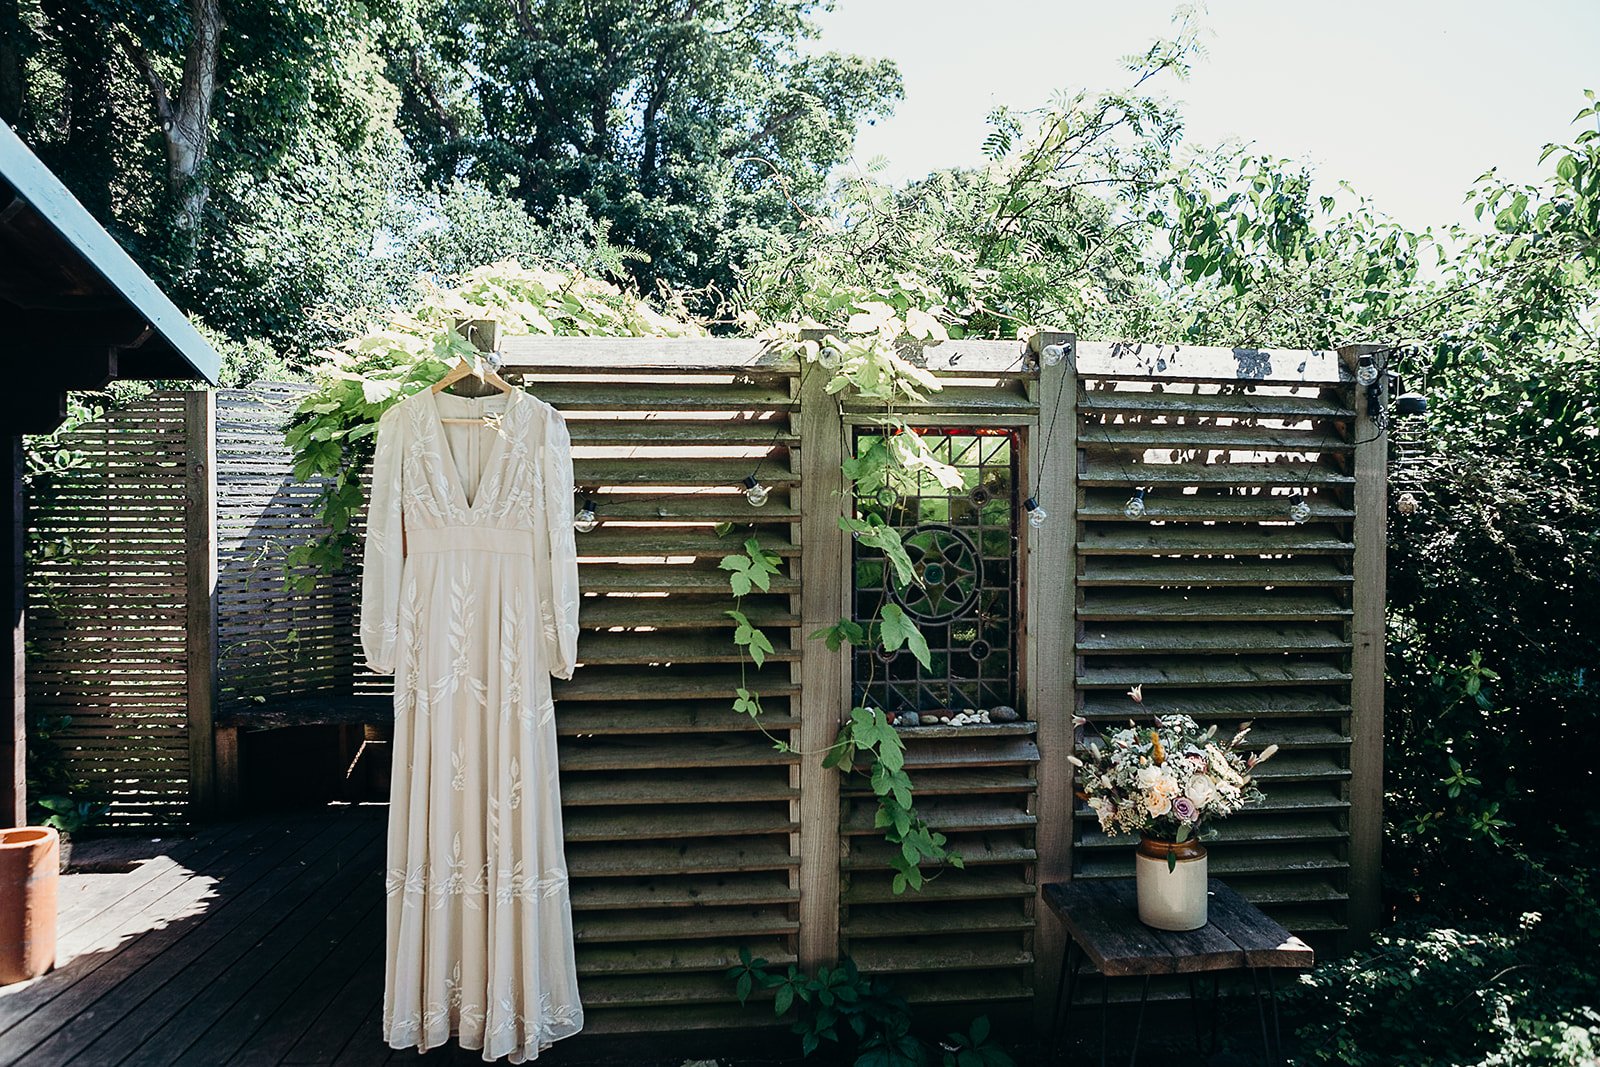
[{"x": 75, "y": 311}]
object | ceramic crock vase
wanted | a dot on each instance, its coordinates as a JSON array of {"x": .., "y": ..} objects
[
  {"x": 1172, "y": 884},
  {"x": 29, "y": 871}
]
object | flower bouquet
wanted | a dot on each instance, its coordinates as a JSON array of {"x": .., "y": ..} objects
[{"x": 1167, "y": 781}]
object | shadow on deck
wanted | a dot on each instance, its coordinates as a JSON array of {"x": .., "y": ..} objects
[{"x": 256, "y": 942}]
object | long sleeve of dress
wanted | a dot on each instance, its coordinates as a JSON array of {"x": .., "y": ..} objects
[
  {"x": 385, "y": 549},
  {"x": 561, "y": 621}
]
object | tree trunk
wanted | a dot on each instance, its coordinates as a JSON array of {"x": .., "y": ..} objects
[
  {"x": 651, "y": 148},
  {"x": 189, "y": 132},
  {"x": 185, "y": 120}
]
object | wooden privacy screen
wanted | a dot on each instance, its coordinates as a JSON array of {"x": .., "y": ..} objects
[
  {"x": 1219, "y": 606},
  {"x": 108, "y": 606},
  {"x": 272, "y": 644},
  {"x": 689, "y": 834}
]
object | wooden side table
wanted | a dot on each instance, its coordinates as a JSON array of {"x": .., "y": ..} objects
[{"x": 1103, "y": 928}]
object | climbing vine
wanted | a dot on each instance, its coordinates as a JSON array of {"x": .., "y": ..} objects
[{"x": 332, "y": 432}]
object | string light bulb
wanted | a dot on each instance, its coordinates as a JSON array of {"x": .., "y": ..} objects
[
  {"x": 1037, "y": 516},
  {"x": 1299, "y": 508},
  {"x": 1054, "y": 354},
  {"x": 755, "y": 492},
  {"x": 586, "y": 520},
  {"x": 830, "y": 357},
  {"x": 1134, "y": 508},
  {"x": 1366, "y": 370}
]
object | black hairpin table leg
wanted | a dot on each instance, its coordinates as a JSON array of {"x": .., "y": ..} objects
[
  {"x": 1277, "y": 1025},
  {"x": 1066, "y": 990},
  {"x": 1194, "y": 1012},
  {"x": 1105, "y": 1014},
  {"x": 1138, "y": 1023},
  {"x": 1271, "y": 1052},
  {"x": 1216, "y": 994}
]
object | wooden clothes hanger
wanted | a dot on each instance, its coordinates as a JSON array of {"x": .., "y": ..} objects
[{"x": 484, "y": 368}]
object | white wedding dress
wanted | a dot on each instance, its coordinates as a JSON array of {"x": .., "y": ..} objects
[{"x": 470, "y": 598}]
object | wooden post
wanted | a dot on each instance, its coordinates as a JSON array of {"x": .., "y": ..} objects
[
  {"x": 1050, "y": 568},
  {"x": 226, "y": 772},
  {"x": 824, "y": 580},
  {"x": 200, "y": 628},
  {"x": 14, "y": 732},
  {"x": 1370, "y": 534}
]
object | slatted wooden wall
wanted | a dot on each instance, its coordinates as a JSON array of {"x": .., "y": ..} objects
[
  {"x": 681, "y": 818},
  {"x": 272, "y": 642},
  {"x": 108, "y": 608},
  {"x": 688, "y": 833},
  {"x": 1215, "y": 603}
]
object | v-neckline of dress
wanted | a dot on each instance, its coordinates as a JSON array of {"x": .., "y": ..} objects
[{"x": 452, "y": 472}]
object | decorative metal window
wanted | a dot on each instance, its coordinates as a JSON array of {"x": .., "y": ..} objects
[{"x": 963, "y": 546}]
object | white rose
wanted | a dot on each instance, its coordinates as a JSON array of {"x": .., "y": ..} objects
[
  {"x": 1148, "y": 777},
  {"x": 1201, "y": 790}
]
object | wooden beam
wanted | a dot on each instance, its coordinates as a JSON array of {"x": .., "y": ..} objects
[
  {"x": 1195, "y": 363},
  {"x": 14, "y": 731},
  {"x": 200, "y": 628},
  {"x": 1050, "y": 568},
  {"x": 824, "y": 580},
  {"x": 1371, "y": 505},
  {"x": 723, "y": 355}
]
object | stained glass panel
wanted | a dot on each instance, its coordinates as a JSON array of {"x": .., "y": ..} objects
[{"x": 962, "y": 545}]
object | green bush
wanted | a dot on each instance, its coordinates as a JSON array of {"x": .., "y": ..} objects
[{"x": 1517, "y": 991}]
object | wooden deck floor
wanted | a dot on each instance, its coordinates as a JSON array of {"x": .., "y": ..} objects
[{"x": 252, "y": 943}]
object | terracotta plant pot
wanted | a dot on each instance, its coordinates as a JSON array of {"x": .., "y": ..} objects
[
  {"x": 30, "y": 867},
  {"x": 1172, "y": 884}
]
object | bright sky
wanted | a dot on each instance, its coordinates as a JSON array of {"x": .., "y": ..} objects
[{"x": 1408, "y": 100}]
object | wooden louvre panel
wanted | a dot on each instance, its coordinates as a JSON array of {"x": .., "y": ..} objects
[
  {"x": 967, "y": 936},
  {"x": 681, "y": 817},
  {"x": 1219, "y": 606},
  {"x": 274, "y": 642},
  {"x": 107, "y": 609}
]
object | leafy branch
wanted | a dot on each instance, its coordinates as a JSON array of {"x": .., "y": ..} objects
[{"x": 332, "y": 433}]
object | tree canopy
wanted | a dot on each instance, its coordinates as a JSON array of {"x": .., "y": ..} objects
[{"x": 282, "y": 166}]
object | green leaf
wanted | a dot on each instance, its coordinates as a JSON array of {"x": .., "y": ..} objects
[
  {"x": 751, "y": 638},
  {"x": 898, "y": 629},
  {"x": 844, "y": 632}
]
